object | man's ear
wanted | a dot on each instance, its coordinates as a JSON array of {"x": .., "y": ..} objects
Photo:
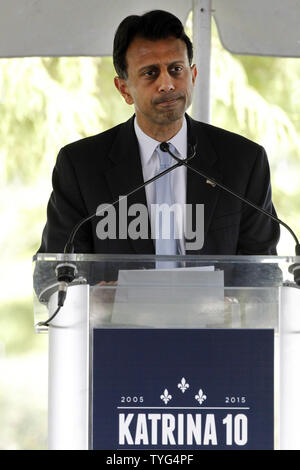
[
  {"x": 122, "y": 87},
  {"x": 194, "y": 73}
]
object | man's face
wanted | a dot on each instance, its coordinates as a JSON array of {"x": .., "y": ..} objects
[{"x": 160, "y": 80}]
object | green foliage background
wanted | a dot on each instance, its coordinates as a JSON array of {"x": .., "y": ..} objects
[{"x": 46, "y": 103}]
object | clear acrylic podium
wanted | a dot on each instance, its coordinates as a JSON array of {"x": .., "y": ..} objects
[{"x": 119, "y": 292}]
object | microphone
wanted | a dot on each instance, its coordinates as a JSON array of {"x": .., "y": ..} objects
[{"x": 294, "y": 268}]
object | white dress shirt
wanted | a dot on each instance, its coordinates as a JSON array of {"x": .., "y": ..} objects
[{"x": 150, "y": 167}]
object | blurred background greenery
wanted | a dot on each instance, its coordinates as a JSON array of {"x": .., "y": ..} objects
[{"x": 46, "y": 103}]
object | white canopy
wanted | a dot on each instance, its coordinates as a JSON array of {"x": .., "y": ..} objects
[{"x": 78, "y": 28}]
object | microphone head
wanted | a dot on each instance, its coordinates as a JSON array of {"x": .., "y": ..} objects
[
  {"x": 164, "y": 146},
  {"x": 297, "y": 275},
  {"x": 295, "y": 270},
  {"x": 192, "y": 145},
  {"x": 65, "y": 272}
]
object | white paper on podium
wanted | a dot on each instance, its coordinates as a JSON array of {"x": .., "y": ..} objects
[{"x": 182, "y": 297}]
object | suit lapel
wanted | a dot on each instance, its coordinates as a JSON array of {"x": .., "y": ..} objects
[
  {"x": 206, "y": 161},
  {"x": 126, "y": 175}
]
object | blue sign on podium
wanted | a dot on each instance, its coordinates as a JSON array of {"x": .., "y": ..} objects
[{"x": 188, "y": 389}]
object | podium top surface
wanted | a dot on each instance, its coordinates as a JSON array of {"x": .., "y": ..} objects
[
  {"x": 88, "y": 257},
  {"x": 243, "y": 271}
]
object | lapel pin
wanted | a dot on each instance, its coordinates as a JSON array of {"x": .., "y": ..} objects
[{"x": 211, "y": 183}]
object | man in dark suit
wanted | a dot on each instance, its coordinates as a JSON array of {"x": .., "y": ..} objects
[{"x": 153, "y": 60}]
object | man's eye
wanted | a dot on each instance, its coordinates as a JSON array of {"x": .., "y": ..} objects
[
  {"x": 150, "y": 73},
  {"x": 177, "y": 68}
]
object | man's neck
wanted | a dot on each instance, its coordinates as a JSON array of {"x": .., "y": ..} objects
[{"x": 161, "y": 133}]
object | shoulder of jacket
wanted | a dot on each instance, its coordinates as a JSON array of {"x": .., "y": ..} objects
[
  {"x": 224, "y": 135},
  {"x": 103, "y": 139},
  {"x": 90, "y": 150}
]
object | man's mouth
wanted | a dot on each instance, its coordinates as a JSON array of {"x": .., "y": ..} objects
[
  {"x": 168, "y": 103},
  {"x": 168, "y": 100}
]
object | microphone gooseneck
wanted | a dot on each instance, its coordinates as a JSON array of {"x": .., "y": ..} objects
[
  {"x": 294, "y": 268},
  {"x": 66, "y": 271}
]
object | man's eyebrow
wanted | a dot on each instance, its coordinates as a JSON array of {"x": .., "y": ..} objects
[{"x": 149, "y": 66}]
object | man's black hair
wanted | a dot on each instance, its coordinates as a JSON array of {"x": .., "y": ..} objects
[{"x": 154, "y": 25}]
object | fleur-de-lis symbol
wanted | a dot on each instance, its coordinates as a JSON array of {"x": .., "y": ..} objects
[
  {"x": 183, "y": 385},
  {"x": 200, "y": 397},
  {"x": 165, "y": 397}
]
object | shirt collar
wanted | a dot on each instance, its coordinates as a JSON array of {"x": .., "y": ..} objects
[
  {"x": 180, "y": 140},
  {"x": 147, "y": 145}
]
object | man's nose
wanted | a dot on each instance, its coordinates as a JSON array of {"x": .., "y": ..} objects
[{"x": 165, "y": 82}]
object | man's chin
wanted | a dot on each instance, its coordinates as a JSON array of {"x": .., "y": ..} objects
[{"x": 169, "y": 116}]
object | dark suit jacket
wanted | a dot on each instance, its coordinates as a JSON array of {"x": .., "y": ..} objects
[{"x": 98, "y": 169}]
